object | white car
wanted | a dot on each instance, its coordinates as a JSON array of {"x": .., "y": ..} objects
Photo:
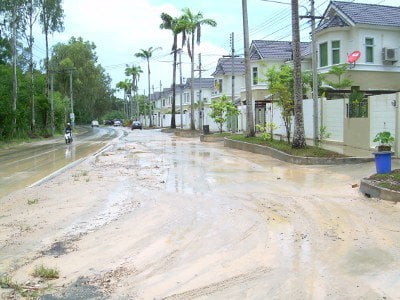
[
  {"x": 117, "y": 123},
  {"x": 95, "y": 123}
]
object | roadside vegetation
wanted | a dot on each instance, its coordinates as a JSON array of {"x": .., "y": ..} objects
[{"x": 389, "y": 181}]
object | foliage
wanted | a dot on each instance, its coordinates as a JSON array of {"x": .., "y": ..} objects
[
  {"x": 221, "y": 109},
  {"x": 267, "y": 130},
  {"x": 338, "y": 71},
  {"x": 390, "y": 180},
  {"x": 280, "y": 83},
  {"x": 46, "y": 273},
  {"x": 308, "y": 151},
  {"x": 384, "y": 138},
  {"x": 323, "y": 135}
]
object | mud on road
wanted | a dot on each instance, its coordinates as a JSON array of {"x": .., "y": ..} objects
[{"x": 157, "y": 216}]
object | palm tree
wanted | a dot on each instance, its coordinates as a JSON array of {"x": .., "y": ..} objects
[
  {"x": 176, "y": 26},
  {"x": 135, "y": 72},
  {"x": 124, "y": 86},
  {"x": 147, "y": 54},
  {"x": 192, "y": 25},
  {"x": 249, "y": 101},
  {"x": 299, "y": 140}
]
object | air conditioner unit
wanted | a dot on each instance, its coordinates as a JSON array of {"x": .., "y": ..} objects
[{"x": 390, "y": 54}]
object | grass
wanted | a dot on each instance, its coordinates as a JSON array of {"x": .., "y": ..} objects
[
  {"x": 34, "y": 201},
  {"x": 308, "y": 151},
  {"x": 24, "y": 291},
  {"x": 389, "y": 181},
  {"x": 46, "y": 273}
]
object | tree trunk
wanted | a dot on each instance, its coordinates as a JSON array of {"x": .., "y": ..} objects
[
  {"x": 192, "y": 125},
  {"x": 31, "y": 68},
  {"x": 250, "y": 131},
  {"x": 173, "y": 121},
  {"x": 15, "y": 83},
  {"x": 298, "y": 136}
]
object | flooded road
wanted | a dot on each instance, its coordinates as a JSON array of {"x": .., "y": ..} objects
[
  {"x": 157, "y": 216},
  {"x": 22, "y": 165}
]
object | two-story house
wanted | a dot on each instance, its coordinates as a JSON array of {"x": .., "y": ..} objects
[
  {"x": 266, "y": 54},
  {"x": 368, "y": 29}
]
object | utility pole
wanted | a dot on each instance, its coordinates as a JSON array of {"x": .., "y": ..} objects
[
  {"x": 72, "y": 116},
  {"x": 233, "y": 74},
  {"x": 200, "y": 114},
  {"x": 314, "y": 71}
]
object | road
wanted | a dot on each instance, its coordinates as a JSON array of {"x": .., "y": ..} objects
[
  {"x": 22, "y": 165},
  {"x": 158, "y": 216}
]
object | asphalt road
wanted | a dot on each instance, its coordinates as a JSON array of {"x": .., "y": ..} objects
[{"x": 24, "y": 164}]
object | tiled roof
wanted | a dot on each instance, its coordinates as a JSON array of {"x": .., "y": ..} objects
[
  {"x": 224, "y": 66},
  {"x": 206, "y": 83},
  {"x": 369, "y": 14},
  {"x": 280, "y": 50},
  {"x": 334, "y": 21}
]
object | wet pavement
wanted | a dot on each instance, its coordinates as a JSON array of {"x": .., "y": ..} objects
[
  {"x": 158, "y": 216},
  {"x": 22, "y": 165}
]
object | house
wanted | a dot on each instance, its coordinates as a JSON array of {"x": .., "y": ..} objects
[
  {"x": 229, "y": 75},
  {"x": 372, "y": 30},
  {"x": 265, "y": 54}
]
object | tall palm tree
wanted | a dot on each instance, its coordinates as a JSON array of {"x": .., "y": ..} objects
[
  {"x": 299, "y": 140},
  {"x": 126, "y": 87},
  {"x": 147, "y": 54},
  {"x": 176, "y": 26},
  {"x": 135, "y": 72},
  {"x": 249, "y": 100},
  {"x": 192, "y": 25}
]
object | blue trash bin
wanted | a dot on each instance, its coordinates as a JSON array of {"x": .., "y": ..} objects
[{"x": 383, "y": 162}]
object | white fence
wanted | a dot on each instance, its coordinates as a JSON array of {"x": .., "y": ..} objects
[{"x": 383, "y": 114}]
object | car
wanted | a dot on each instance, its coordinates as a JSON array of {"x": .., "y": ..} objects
[
  {"x": 117, "y": 123},
  {"x": 136, "y": 125},
  {"x": 95, "y": 123},
  {"x": 108, "y": 122}
]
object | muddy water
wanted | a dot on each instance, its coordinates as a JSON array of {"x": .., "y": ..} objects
[
  {"x": 158, "y": 216},
  {"x": 23, "y": 165}
]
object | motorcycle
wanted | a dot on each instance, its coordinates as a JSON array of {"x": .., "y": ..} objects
[{"x": 68, "y": 137}]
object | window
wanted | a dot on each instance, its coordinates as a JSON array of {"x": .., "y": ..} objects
[
  {"x": 369, "y": 50},
  {"x": 186, "y": 97},
  {"x": 218, "y": 85},
  {"x": 335, "y": 52},
  {"x": 323, "y": 54},
  {"x": 255, "y": 76}
]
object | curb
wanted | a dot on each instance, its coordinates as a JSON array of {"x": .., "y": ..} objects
[
  {"x": 370, "y": 190},
  {"x": 298, "y": 160}
]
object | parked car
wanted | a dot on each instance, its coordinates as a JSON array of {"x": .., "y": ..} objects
[
  {"x": 136, "y": 125},
  {"x": 117, "y": 123},
  {"x": 95, "y": 123},
  {"x": 108, "y": 122}
]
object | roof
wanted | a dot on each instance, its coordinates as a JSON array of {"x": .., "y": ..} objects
[
  {"x": 279, "y": 50},
  {"x": 340, "y": 13},
  {"x": 224, "y": 66},
  {"x": 204, "y": 83}
]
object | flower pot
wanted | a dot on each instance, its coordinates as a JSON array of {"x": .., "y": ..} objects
[
  {"x": 383, "y": 162},
  {"x": 381, "y": 148}
]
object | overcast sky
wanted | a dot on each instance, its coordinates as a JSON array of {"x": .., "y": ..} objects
[{"x": 120, "y": 28}]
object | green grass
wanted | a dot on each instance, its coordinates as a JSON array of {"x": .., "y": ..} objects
[
  {"x": 46, "y": 273},
  {"x": 309, "y": 151},
  {"x": 389, "y": 181},
  {"x": 34, "y": 201}
]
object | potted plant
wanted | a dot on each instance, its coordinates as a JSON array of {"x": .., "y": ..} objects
[
  {"x": 385, "y": 140},
  {"x": 383, "y": 155}
]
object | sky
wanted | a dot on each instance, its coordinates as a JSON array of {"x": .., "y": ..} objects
[{"x": 121, "y": 28}]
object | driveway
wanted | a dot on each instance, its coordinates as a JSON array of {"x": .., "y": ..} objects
[{"x": 159, "y": 216}]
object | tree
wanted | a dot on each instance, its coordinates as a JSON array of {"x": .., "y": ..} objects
[
  {"x": 51, "y": 19},
  {"x": 250, "y": 131},
  {"x": 192, "y": 25},
  {"x": 125, "y": 86},
  {"x": 280, "y": 85},
  {"x": 135, "y": 72},
  {"x": 221, "y": 110},
  {"x": 338, "y": 71},
  {"x": 299, "y": 140},
  {"x": 147, "y": 54},
  {"x": 176, "y": 25}
]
